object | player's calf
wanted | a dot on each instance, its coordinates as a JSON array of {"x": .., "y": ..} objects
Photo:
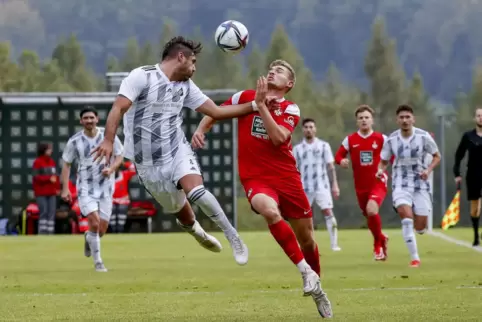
[{"x": 303, "y": 229}]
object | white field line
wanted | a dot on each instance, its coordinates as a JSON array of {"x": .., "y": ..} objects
[
  {"x": 362, "y": 289},
  {"x": 455, "y": 241}
]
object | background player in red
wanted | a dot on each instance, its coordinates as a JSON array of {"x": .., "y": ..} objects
[
  {"x": 121, "y": 198},
  {"x": 268, "y": 173},
  {"x": 364, "y": 147}
]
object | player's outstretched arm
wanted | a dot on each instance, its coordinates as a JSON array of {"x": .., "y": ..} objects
[
  {"x": 217, "y": 113},
  {"x": 198, "y": 137}
]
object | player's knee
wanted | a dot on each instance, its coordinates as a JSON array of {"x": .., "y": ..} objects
[
  {"x": 372, "y": 208},
  {"x": 266, "y": 207}
]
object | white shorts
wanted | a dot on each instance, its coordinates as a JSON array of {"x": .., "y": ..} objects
[
  {"x": 162, "y": 182},
  {"x": 420, "y": 201},
  {"x": 322, "y": 198},
  {"x": 103, "y": 206}
]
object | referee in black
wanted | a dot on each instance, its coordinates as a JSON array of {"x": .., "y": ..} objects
[{"x": 472, "y": 141}]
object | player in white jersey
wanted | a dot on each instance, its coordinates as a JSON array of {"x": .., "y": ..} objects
[
  {"x": 314, "y": 157},
  {"x": 95, "y": 181},
  {"x": 411, "y": 184},
  {"x": 154, "y": 140}
]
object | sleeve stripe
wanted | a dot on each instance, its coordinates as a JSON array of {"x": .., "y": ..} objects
[
  {"x": 293, "y": 109},
  {"x": 236, "y": 97}
]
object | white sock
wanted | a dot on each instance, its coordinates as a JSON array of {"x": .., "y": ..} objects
[
  {"x": 409, "y": 237},
  {"x": 211, "y": 208},
  {"x": 94, "y": 242},
  {"x": 332, "y": 230},
  {"x": 303, "y": 266}
]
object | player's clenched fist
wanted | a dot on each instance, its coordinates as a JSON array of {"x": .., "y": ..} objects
[
  {"x": 344, "y": 163},
  {"x": 103, "y": 150},
  {"x": 379, "y": 174}
]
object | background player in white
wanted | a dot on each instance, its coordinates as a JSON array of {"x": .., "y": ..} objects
[
  {"x": 154, "y": 140},
  {"x": 316, "y": 164},
  {"x": 95, "y": 181},
  {"x": 411, "y": 186}
]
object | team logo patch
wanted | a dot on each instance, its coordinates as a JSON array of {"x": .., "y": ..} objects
[
  {"x": 278, "y": 112},
  {"x": 257, "y": 128},
  {"x": 374, "y": 145},
  {"x": 366, "y": 157},
  {"x": 290, "y": 120}
]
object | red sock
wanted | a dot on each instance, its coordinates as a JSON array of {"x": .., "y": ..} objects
[
  {"x": 313, "y": 259},
  {"x": 286, "y": 238},
  {"x": 375, "y": 226}
]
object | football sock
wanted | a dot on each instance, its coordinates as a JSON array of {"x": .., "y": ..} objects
[
  {"x": 94, "y": 242},
  {"x": 409, "y": 237},
  {"x": 286, "y": 238},
  {"x": 332, "y": 229},
  {"x": 375, "y": 225},
  {"x": 475, "y": 225},
  {"x": 313, "y": 259},
  {"x": 211, "y": 208}
]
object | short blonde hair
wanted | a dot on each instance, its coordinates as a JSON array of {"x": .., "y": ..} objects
[{"x": 285, "y": 64}]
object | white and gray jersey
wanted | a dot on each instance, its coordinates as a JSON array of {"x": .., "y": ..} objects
[
  {"x": 410, "y": 159},
  {"x": 312, "y": 160},
  {"x": 152, "y": 126},
  {"x": 90, "y": 180}
]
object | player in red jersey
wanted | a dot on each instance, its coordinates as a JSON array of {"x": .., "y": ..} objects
[
  {"x": 364, "y": 147},
  {"x": 268, "y": 173}
]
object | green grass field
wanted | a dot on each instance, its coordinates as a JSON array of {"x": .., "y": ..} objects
[{"x": 168, "y": 277}]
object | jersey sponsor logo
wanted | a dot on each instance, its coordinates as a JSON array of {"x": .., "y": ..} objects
[
  {"x": 257, "y": 128},
  {"x": 366, "y": 158},
  {"x": 290, "y": 120}
]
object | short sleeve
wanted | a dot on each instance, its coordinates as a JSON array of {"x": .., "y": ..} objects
[
  {"x": 328, "y": 155},
  {"x": 386, "y": 152},
  {"x": 345, "y": 143},
  {"x": 195, "y": 97},
  {"x": 132, "y": 86},
  {"x": 430, "y": 145},
  {"x": 68, "y": 155},
  {"x": 290, "y": 118},
  {"x": 118, "y": 147}
]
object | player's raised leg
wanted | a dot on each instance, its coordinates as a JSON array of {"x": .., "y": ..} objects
[{"x": 197, "y": 194}]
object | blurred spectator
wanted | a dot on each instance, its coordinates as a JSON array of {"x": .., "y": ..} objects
[
  {"x": 121, "y": 198},
  {"x": 46, "y": 186}
]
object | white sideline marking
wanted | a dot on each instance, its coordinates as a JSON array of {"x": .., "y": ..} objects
[
  {"x": 455, "y": 241},
  {"x": 362, "y": 289}
]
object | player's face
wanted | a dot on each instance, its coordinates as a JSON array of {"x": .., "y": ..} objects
[
  {"x": 89, "y": 120},
  {"x": 187, "y": 65},
  {"x": 48, "y": 152},
  {"x": 364, "y": 121},
  {"x": 309, "y": 130},
  {"x": 279, "y": 78},
  {"x": 405, "y": 120},
  {"x": 478, "y": 117}
]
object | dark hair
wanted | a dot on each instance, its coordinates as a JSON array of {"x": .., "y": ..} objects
[
  {"x": 308, "y": 120},
  {"x": 404, "y": 108},
  {"x": 181, "y": 44},
  {"x": 88, "y": 109},
  {"x": 42, "y": 148},
  {"x": 364, "y": 108}
]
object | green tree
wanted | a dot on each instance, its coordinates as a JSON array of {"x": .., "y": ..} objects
[
  {"x": 132, "y": 55},
  {"x": 8, "y": 70},
  {"x": 256, "y": 66},
  {"x": 420, "y": 101},
  {"x": 385, "y": 75}
]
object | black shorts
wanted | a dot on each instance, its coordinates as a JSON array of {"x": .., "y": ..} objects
[{"x": 474, "y": 187}]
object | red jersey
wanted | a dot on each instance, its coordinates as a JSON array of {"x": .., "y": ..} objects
[
  {"x": 258, "y": 157},
  {"x": 121, "y": 189},
  {"x": 44, "y": 168},
  {"x": 365, "y": 155}
]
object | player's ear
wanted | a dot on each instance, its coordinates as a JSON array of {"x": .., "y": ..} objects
[{"x": 180, "y": 57}]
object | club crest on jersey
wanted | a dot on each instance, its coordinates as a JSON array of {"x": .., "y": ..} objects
[
  {"x": 290, "y": 120},
  {"x": 278, "y": 112},
  {"x": 374, "y": 145},
  {"x": 257, "y": 128}
]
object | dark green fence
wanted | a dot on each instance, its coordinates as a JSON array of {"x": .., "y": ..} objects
[{"x": 29, "y": 118}]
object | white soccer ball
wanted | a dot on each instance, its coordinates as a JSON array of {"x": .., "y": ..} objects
[{"x": 231, "y": 36}]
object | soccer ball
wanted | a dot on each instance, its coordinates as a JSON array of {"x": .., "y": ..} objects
[{"x": 231, "y": 36}]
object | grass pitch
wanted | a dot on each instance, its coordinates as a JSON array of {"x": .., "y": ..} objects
[{"x": 168, "y": 277}]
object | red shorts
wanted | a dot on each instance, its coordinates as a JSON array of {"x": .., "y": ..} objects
[
  {"x": 288, "y": 194},
  {"x": 377, "y": 194}
]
